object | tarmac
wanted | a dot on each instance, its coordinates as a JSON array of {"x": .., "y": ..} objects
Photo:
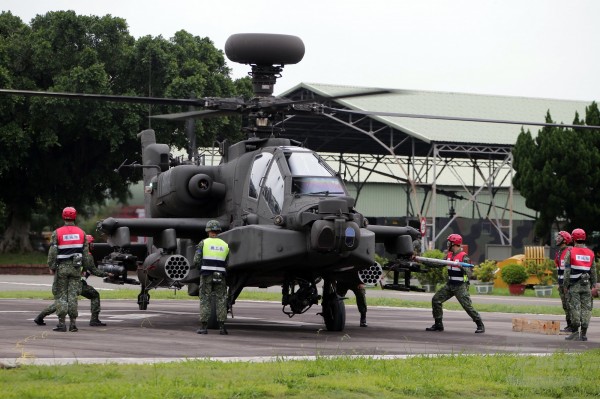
[{"x": 259, "y": 331}]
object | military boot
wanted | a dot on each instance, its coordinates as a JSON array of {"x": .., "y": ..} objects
[
  {"x": 203, "y": 329},
  {"x": 582, "y": 336},
  {"x": 95, "y": 322},
  {"x": 363, "y": 320},
  {"x": 438, "y": 326},
  {"x": 480, "y": 327},
  {"x": 222, "y": 329},
  {"x": 61, "y": 326},
  {"x": 72, "y": 326},
  {"x": 568, "y": 328},
  {"x": 39, "y": 320},
  {"x": 574, "y": 335}
]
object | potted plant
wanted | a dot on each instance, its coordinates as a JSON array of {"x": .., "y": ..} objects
[
  {"x": 514, "y": 275},
  {"x": 432, "y": 276},
  {"x": 544, "y": 272},
  {"x": 485, "y": 273}
]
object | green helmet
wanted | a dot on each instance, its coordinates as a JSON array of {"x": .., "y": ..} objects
[{"x": 213, "y": 225}]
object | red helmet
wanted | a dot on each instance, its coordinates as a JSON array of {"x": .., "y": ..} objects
[
  {"x": 90, "y": 240},
  {"x": 578, "y": 235},
  {"x": 455, "y": 239},
  {"x": 69, "y": 213},
  {"x": 562, "y": 236}
]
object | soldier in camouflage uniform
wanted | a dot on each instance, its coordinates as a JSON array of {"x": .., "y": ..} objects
[
  {"x": 562, "y": 240},
  {"x": 579, "y": 278},
  {"x": 211, "y": 258},
  {"x": 68, "y": 248},
  {"x": 457, "y": 285},
  {"x": 86, "y": 290},
  {"x": 361, "y": 298}
]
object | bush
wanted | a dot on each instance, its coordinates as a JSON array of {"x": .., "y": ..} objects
[
  {"x": 514, "y": 273},
  {"x": 544, "y": 271},
  {"x": 434, "y": 275},
  {"x": 485, "y": 271}
]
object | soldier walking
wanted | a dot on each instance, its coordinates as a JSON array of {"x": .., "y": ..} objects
[
  {"x": 579, "y": 278},
  {"x": 457, "y": 285},
  {"x": 211, "y": 258},
  {"x": 361, "y": 298}
]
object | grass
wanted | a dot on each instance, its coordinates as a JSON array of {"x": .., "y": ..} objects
[
  {"x": 455, "y": 376},
  {"x": 33, "y": 258}
]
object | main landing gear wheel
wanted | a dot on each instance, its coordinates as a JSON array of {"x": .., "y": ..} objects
[
  {"x": 334, "y": 309},
  {"x": 213, "y": 324},
  {"x": 143, "y": 300}
]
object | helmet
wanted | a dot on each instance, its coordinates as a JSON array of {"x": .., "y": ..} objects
[
  {"x": 69, "y": 213},
  {"x": 213, "y": 225},
  {"x": 578, "y": 235},
  {"x": 455, "y": 239},
  {"x": 562, "y": 236}
]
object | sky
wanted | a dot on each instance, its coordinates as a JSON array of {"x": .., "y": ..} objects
[{"x": 528, "y": 48}]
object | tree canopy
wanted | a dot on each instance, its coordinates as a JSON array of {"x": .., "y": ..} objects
[
  {"x": 557, "y": 173},
  {"x": 62, "y": 152}
]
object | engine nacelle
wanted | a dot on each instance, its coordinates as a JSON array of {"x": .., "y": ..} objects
[
  {"x": 165, "y": 267},
  {"x": 186, "y": 191}
]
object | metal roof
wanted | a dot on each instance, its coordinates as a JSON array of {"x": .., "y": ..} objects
[{"x": 325, "y": 134}]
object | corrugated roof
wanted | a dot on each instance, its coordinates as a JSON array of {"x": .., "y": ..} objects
[{"x": 454, "y": 105}]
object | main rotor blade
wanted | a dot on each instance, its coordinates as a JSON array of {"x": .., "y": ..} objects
[
  {"x": 106, "y": 97},
  {"x": 367, "y": 93},
  {"x": 459, "y": 118},
  {"x": 209, "y": 113}
]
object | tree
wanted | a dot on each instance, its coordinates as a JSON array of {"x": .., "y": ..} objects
[
  {"x": 58, "y": 152},
  {"x": 557, "y": 173}
]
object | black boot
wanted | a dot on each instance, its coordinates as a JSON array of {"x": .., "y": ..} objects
[
  {"x": 39, "y": 320},
  {"x": 574, "y": 335},
  {"x": 203, "y": 329},
  {"x": 582, "y": 336},
  {"x": 480, "y": 327},
  {"x": 363, "y": 320},
  {"x": 568, "y": 329},
  {"x": 61, "y": 326},
  {"x": 95, "y": 322},
  {"x": 222, "y": 329},
  {"x": 437, "y": 326},
  {"x": 72, "y": 326}
]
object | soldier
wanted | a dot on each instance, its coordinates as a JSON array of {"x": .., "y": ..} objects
[
  {"x": 579, "y": 278},
  {"x": 211, "y": 258},
  {"x": 361, "y": 298},
  {"x": 457, "y": 285},
  {"x": 562, "y": 240},
  {"x": 68, "y": 247},
  {"x": 86, "y": 290}
]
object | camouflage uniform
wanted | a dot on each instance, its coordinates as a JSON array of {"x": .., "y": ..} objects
[
  {"x": 564, "y": 300},
  {"x": 67, "y": 280},
  {"x": 211, "y": 283},
  {"x": 579, "y": 295},
  {"x": 361, "y": 298},
  {"x": 86, "y": 290},
  {"x": 460, "y": 290}
]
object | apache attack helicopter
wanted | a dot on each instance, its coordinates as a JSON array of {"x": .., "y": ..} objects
[{"x": 286, "y": 215}]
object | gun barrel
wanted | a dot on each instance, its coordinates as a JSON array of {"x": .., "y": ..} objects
[{"x": 442, "y": 262}]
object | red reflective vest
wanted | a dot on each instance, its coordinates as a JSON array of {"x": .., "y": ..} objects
[
  {"x": 70, "y": 240},
  {"x": 559, "y": 261},
  {"x": 456, "y": 274},
  {"x": 581, "y": 262}
]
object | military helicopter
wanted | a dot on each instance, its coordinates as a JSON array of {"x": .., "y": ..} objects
[{"x": 286, "y": 215}]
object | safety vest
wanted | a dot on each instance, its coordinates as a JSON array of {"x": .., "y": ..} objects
[
  {"x": 456, "y": 274},
  {"x": 70, "y": 240},
  {"x": 214, "y": 255},
  {"x": 581, "y": 262},
  {"x": 559, "y": 261}
]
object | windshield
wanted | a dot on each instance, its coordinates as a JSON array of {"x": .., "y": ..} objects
[
  {"x": 317, "y": 185},
  {"x": 306, "y": 164}
]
